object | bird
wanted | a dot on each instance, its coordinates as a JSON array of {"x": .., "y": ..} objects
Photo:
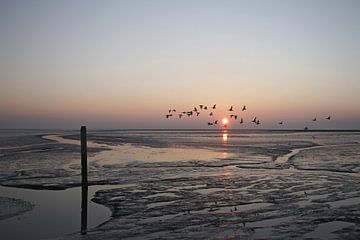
[
  {"x": 209, "y": 123},
  {"x": 254, "y": 120},
  {"x": 244, "y": 108},
  {"x": 195, "y": 109},
  {"x": 314, "y": 120},
  {"x": 201, "y": 106},
  {"x": 174, "y": 110},
  {"x": 216, "y": 122},
  {"x": 231, "y": 109},
  {"x": 241, "y": 121},
  {"x": 168, "y": 115},
  {"x": 328, "y": 118},
  {"x": 235, "y": 116},
  {"x": 232, "y": 115},
  {"x": 213, "y": 107},
  {"x": 281, "y": 123},
  {"x": 170, "y": 110},
  {"x": 197, "y": 113},
  {"x": 180, "y": 115},
  {"x": 184, "y": 112},
  {"x": 205, "y": 107},
  {"x": 257, "y": 122},
  {"x": 211, "y": 114}
]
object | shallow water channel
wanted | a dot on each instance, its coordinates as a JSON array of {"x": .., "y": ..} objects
[{"x": 56, "y": 212}]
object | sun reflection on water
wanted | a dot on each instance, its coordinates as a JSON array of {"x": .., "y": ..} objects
[{"x": 225, "y": 137}]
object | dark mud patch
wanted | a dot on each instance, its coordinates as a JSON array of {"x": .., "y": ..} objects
[{"x": 10, "y": 207}]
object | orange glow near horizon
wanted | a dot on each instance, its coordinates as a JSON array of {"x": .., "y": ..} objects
[{"x": 225, "y": 121}]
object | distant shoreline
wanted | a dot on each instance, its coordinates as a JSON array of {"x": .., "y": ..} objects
[{"x": 188, "y": 129}]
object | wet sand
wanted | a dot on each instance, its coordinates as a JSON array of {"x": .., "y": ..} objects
[{"x": 249, "y": 185}]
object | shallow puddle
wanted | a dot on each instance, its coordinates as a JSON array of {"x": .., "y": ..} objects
[
  {"x": 56, "y": 213},
  {"x": 345, "y": 202},
  {"x": 270, "y": 222},
  {"x": 325, "y": 230},
  {"x": 125, "y": 153}
]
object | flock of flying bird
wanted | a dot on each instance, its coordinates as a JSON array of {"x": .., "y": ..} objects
[{"x": 197, "y": 110}]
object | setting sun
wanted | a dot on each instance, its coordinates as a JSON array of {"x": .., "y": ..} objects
[{"x": 225, "y": 121}]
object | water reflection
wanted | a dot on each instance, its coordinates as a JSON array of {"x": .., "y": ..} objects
[
  {"x": 55, "y": 214},
  {"x": 225, "y": 137},
  {"x": 84, "y": 209}
]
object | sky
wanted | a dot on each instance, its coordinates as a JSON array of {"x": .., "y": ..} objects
[{"x": 123, "y": 64}]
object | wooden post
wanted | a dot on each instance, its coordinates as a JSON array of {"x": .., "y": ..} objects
[
  {"x": 83, "y": 157},
  {"x": 84, "y": 181}
]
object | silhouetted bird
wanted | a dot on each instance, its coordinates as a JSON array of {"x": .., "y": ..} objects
[
  {"x": 180, "y": 115},
  {"x": 257, "y": 122},
  {"x": 211, "y": 114},
  {"x": 241, "y": 121},
  {"x": 195, "y": 109},
  {"x": 254, "y": 120},
  {"x": 231, "y": 109},
  {"x": 209, "y": 123},
  {"x": 244, "y": 108},
  {"x": 201, "y": 106},
  {"x": 314, "y": 120},
  {"x": 232, "y": 115},
  {"x": 184, "y": 112},
  {"x": 280, "y": 123},
  {"x": 216, "y": 122},
  {"x": 197, "y": 113},
  {"x": 170, "y": 110},
  {"x": 205, "y": 107},
  {"x": 235, "y": 116},
  {"x": 213, "y": 107},
  {"x": 328, "y": 118},
  {"x": 168, "y": 115},
  {"x": 174, "y": 110}
]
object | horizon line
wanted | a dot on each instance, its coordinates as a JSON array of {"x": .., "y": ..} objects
[{"x": 184, "y": 129}]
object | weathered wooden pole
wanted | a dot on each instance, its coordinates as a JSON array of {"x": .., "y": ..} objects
[
  {"x": 83, "y": 157},
  {"x": 84, "y": 181}
]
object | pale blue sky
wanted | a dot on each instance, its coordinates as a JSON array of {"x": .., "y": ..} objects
[{"x": 122, "y": 64}]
